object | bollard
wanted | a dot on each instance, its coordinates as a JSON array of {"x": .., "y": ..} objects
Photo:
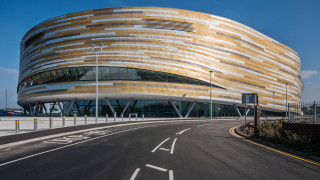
[
  {"x": 17, "y": 126},
  {"x": 122, "y": 117},
  {"x": 114, "y": 117},
  {"x": 85, "y": 119},
  {"x": 74, "y": 120},
  {"x": 136, "y": 117},
  {"x": 35, "y": 123},
  {"x": 63, "y": 121},
  {"x": 107, "y": 116},
  {"x": 142, "y": 117},
  {"x": 129, "y": 117},
  {"x": 50, "y": 122}
]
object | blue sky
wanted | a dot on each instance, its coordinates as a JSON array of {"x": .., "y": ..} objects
[{"x": 295, "y": 23}]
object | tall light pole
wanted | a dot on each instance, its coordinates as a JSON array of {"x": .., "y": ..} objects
[
  {"x": 6, "y": 101},
  {"x": 210, "y": 96},
  {"x": 286, "y": 99},
  {"x": 97, "y": 76},
  {"x": 273, "y": 99}
]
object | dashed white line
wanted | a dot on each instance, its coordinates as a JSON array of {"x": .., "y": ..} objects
[
  {"x": 172, "y": 147},
  {"x": 164, "y": 149},
  {"x": 180, "y": 132},
  {"x": 160, "y": 145},
  {"x": 170, "y": 175},
  {"x": 156, "y": 167},
  {"x": 135, "y": 174},
  {"x": 203, "y": 125}
]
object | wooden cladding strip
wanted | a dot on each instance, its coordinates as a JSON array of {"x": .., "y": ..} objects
[{"x": 175, "y": 41}]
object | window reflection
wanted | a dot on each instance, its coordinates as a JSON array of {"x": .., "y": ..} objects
[{"x": 105, "y": 73}]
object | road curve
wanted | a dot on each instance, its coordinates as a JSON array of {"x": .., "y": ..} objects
[{"x": 179, "y": 150}]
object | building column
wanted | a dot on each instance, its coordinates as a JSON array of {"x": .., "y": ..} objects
[
  {"x": 52, "y": 108},
  {"x": 248, "y": 110},
  {"x": 61, "y": 109},
  {"x": 71, "y": 107},
  {"x": 127, "y": 105},
  {"x": 239, "y": 114},
  {"x": 109, "y": 105},
  {"x": 30, "y": 110},
  {"x": 45, "y": 109},
  {"x": 190, "y": 108},
  {"x": 175, "y": 108}
]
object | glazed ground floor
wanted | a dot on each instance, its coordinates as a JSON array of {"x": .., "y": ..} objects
[{"x": 147, "y": 108}]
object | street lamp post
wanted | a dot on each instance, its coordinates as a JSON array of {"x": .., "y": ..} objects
[
  {"x": 273, "y": 99},
  {"x": 286, "y": 99},
  {"x": 97, "y": 76},
  {"x": 210, "y": 96},
  {"x": 6, "y": 101}
]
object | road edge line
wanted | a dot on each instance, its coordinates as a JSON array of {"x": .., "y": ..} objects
[{"x": 234, "y": 132}]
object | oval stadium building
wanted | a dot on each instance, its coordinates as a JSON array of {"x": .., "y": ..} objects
[{"x": 153, "y": 61}]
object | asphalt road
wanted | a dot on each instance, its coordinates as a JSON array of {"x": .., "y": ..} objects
[{"x": 180, "y": 150}]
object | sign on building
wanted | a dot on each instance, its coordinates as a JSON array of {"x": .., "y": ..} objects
[{"x": 249, "y": 98}]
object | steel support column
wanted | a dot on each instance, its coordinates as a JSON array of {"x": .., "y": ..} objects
[
  {"x": 45, "y": 109},
  {"x": 52, "y": 108},
  {"x": 30, "y": 110},
  {"x": 110, "y": 105},
  {"x": 36, "y": 109},
  {"x": 190, "y": 109},
  {"x": 61, "y": 109},
  {"x": 127, "y": 105},
  {"x": 239, "y": 114},
  {"x": 71, "y": 107},
  {"x": 175, "y": 108},
  {"x": 248, "y": 110}
]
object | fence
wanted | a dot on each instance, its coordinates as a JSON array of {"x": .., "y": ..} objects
[{"x": 306, "y": 112}]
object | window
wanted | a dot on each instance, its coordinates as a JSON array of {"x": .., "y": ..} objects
[{"x": 106, "y": 73}]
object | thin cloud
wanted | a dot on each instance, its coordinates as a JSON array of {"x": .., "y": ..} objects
[
  {"x": 10, "y": 73},
  {"x": 308, "y": 73}
]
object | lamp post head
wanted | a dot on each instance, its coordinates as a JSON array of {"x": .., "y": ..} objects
[
  {"x": 210, "y": 72},
  {"x": 92, "y": 46},
  {"x": 101, "y": 44}
]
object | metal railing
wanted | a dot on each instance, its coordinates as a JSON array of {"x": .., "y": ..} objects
[{"x": 306, "y": 112}]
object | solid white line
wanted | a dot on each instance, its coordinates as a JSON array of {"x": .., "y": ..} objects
[
  {"x": 160, "y": 145},
  {"x": 62, "y": 147},
  {"x": 135, "y": 174},
  {"x": 172, "y": 147},
  {"x": 164, "y": 149},
  {"x": 170, "y": 175},
  {"x": 180, "y": 132},
  {"x": 203, "y": 125},
  {"x": 156, "y": 167}
]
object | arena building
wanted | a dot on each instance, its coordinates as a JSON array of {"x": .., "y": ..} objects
[{"x": 153, "y": 61}]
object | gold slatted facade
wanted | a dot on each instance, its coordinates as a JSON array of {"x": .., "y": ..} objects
[{"x": 174, "y": 41}]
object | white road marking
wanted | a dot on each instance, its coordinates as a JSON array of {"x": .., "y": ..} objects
[
  {"x": 164, "y": 149},
  {"x": 4, "y": 150},
  {"x": 86, "y": 130},
  {"x": 180, "y": 132},
  {"x": 172, "y": 147},
  {"x": 204, "y": 125},
  {"x": 62, "y": 147},
  {"x": 156, "y": 167},
  {"x": 135, "y": 174},
  {"x": 160, "y": 145},
  {"x": 66, "y": 140},
  {"x": 55, "y": 142},
  {"x": 170, "y": 175}
]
